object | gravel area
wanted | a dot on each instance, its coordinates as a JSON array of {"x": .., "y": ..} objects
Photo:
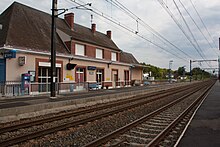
[
  {"x": 86, "y": 133},
  {"x": 83, "y": 134}
]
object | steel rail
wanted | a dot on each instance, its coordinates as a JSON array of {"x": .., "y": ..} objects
[
  {"x": 86, "y": 110},
  {"x": 40, "y": 133},
  {"x": 163, "y": 134},
  {"x": 127, "y": 127}
]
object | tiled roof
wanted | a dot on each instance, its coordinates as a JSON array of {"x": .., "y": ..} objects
[
  {"x": 83, "y": 34},
  {"x": 128, "y": 58},
  {"x": 28, "y": 28}
]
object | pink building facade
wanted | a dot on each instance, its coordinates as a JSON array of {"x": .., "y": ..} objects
[{"x": 83, "y": 54}]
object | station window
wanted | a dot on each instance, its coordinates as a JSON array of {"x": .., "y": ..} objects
[
  {"x": 80, "y": 49},
  {"x": 44, "y": 78},
  {"x": 114, "y": 56},
  {"x": 99, "y": 53}
]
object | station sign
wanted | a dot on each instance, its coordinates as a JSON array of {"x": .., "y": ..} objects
[
  {"x": 91, "y": 68},
  {"x": 10, "y": 54}
]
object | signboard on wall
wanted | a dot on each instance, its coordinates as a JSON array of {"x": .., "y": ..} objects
[
  {"x": 10, "y": 54},
  {"x": 91, "y": 68}
]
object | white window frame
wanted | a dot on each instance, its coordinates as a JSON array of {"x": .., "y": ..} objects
[
  {"x": 46, "y": 77},
  {"x": 114, "y": 56},
  {"x": 99, "y": 53},
  {"x": 80, "y": 50}
]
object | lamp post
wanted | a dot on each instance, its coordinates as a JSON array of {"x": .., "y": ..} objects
[{"x": 170, "y": 64}]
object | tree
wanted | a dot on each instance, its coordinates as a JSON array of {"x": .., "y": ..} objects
[
  {"x": 158, "y": 73},
  {"x": 181, "y": 71},
  {"x": 200, "y": 74}
]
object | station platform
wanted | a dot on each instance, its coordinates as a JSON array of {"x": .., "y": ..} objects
[{"x": 204, "y": 129}]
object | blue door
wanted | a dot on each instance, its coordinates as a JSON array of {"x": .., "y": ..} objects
[{"x": 2, "y": 70}]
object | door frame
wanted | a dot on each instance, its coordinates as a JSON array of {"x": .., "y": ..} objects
[
  {"x": 126, "y": 81},
  {"x": 103, "y": 75},
  {"x": 85, "y": 76},
  {"x": 114, "y": 83}
]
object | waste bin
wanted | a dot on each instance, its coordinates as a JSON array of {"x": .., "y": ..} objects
[{"x": 71, "y": 87}]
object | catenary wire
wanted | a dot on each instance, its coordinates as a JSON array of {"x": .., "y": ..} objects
[
  {"x": 184, "y": 20},
  {"x": 145, "y": 25},
  {"x": 129, "y": 30},
  {"x": 197, "y": 25},
  {"x": 202, "y": 22},
  {"x": 178, "y": 24}
]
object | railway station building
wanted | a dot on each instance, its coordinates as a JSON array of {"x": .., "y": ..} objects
[{"x": 83, "y": 54}]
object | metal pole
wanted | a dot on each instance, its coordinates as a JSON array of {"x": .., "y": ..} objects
[
  {"x": 53, "y": 50},
  {"x": 202, "y": 74},
  {"x": 169, "y": 73},
  {"x": 190, "y": 70},
  {"x": 184, "y": 73},
  {"x": 170, "y": 62},
  {"x": 219, "y": 68},
  {"x": 219, "y": 43}
]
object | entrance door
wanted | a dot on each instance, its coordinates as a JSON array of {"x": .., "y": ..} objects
[
  {"x": 126, "y": 77},
  {"x": 114, "y": 77},
  {"x": 80, "y": 75},
  {"x": 99, "y": 76},
  {"x": 2, "y": 70},
  {"x": 80, "y": 78}
]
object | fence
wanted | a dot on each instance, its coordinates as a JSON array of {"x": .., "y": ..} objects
[
  {"x": 44, "y": 88},
  {"x": 13, "y": 88},
  {"x": 10, "y": 88}
]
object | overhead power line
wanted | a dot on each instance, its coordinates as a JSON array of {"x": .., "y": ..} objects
[
  {"x": 128, "y": 29},
  {"x": 197, "y": 25},
  {"x": 203, "y": 23},
  {"x": 179, "y": 25},
  {"x": 184, "y": 20},
  {"x": 163, "y": 39}
]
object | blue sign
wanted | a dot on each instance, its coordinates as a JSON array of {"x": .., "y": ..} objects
[
  {"x": 10, "y": 54},
  {"x": 91, "y": 68}
]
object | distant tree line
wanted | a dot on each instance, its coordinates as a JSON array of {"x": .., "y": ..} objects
[{"x": 162, "y": 73}]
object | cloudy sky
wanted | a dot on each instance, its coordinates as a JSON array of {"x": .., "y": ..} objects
[{"x": 160, "y": 39}]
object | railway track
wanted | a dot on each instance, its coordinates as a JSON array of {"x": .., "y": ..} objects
[
  {"x": 135, "y": 103},
  {"x": 77, "y": 112},
  {"x": 157, "y": 128}
]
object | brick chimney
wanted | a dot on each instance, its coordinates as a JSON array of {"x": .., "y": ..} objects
[
  {"x": 69, "y": 18},
  {"x": 109, "y": 34},
  {"x": 93, "y": 28}
]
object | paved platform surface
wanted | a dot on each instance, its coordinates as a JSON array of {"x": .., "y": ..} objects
[
  {"x": 32, "y": 100},
  {"x": 204, "y": 130}
]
